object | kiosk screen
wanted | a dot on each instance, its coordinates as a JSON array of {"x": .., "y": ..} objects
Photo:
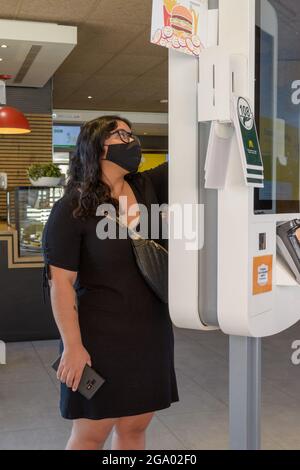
[{"x": 277, "y": 104}]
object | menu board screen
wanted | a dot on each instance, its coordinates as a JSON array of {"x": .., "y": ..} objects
[{"x": 65, "y": 136}]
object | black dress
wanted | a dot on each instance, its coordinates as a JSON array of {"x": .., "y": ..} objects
[{"x": 125, "y": 328}]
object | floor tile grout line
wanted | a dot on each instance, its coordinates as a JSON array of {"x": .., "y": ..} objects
[
  {"x": 171, "y": 432},
  {"x": 44, "y": 367},
  {"x": 279, "y": 389},
  {"x": 35, "y": 429},
  {"x": 177, "y": 437},
  {"x": 205, "y": 389},
  {"x": 209, "y": 348},
  {"x": 24, "y": 381}
]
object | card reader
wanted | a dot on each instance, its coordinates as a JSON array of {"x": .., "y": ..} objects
[{"x": 288, "y": 244}]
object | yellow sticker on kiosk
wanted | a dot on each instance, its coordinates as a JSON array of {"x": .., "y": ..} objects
[{"x": 262, "y": 274}]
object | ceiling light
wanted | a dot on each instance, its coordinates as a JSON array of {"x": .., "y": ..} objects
[
  {"x": 1, "y": 59},
  {"x": 4, "y": 46},
  {"x": 90, "y": 97},
  {"x": 12, "y": 121}
]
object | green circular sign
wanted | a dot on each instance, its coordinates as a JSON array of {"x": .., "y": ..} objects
[{"x": 245, "y": 114}]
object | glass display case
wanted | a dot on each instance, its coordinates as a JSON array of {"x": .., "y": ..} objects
[{"x": 28, "y": 211}]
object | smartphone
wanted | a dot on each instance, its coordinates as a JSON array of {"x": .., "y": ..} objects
[{"x": 90, "y": 381}]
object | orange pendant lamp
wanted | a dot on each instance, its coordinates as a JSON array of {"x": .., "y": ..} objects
[{"x": 12, "y": 121}]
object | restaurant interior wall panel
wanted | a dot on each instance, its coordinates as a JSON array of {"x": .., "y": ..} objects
[{"x": 18, "y": 152}]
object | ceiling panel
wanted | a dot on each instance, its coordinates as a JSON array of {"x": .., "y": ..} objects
[
  {"x": 143, "y": 46},
  {"x": 162, "y": 69},
  {"x": 114, "y": 60},
  {"x": 8, "y": 9},
  {"x": 118, "y": 105},
  {"x": 102, "y": 87},
  {"x": 60, "y": 11},
  {"x": 109, "y": 38},
  {"x": 66, "y": 83},
  {"x": 121, "y": 11},
  {"x": 127, "y": 64},
  {"x": 84, "y": 60},
  {"x": 148, "y": 83}
]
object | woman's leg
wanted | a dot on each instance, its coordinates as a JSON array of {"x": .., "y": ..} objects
[
  {"x": 129, "y": 432},
  {"x": 89, "y": 434}
]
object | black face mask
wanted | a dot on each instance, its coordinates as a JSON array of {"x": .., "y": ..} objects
[{"x": 128, "y": 156}]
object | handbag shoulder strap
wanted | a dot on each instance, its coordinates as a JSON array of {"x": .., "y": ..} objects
[{"x": 136, "y": 235}]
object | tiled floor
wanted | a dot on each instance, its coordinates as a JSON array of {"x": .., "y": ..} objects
[{"x": 29, "y": 415}]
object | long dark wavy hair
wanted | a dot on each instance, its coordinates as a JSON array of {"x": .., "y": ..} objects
[{"x": 85, "y": 170}]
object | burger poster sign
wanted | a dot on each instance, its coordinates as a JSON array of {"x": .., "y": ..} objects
[{"x": 180, "y": 24}]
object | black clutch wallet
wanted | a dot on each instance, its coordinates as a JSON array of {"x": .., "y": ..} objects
[
  {"x": 152, "y": 261},
  {"x": 90, "y": 381}
]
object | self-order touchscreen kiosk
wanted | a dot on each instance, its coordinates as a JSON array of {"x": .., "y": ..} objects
[{"x": 244, "y": 275}]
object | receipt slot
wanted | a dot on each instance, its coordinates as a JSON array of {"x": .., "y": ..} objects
[{"x": 238, "y": 280}]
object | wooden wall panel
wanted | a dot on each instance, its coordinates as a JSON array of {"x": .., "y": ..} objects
[{"x": 18, "y": 152}]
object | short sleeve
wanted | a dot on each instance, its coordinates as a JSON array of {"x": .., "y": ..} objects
[
  {"x": 62, "y": 237},
  {"x": 159, "y": 179}
]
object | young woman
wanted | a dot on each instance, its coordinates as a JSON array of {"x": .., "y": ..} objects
[{"x": 107, "y": 315}]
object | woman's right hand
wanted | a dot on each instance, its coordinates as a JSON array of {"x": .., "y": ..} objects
[{"x": 72, "y": 364}]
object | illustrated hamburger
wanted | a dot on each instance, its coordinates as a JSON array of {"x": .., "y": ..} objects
[{"x": 181, "y": 20}]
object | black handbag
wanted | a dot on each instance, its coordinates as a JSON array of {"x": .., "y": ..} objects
[{"x": 152, "y": 260}]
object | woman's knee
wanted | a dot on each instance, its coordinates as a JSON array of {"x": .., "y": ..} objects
[
  {"x": 133, "y": 425},
  {"x": 92, "y": 431}
]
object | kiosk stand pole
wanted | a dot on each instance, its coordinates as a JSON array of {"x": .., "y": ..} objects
[{"x": 244, "y": 392}]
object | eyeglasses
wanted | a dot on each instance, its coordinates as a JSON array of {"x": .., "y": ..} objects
[{"x": 125, "y": 136}]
